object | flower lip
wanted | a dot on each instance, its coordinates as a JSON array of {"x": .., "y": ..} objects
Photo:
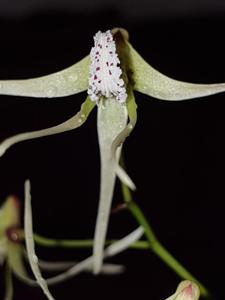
[{"x": 105, "y": 72}]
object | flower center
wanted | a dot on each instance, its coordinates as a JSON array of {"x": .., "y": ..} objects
[{"x": 105, "y": 73}]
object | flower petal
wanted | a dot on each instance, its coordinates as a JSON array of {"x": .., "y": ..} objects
[
  {"x": 86, "y": 264},
  {"x": 112, "y": 119},
  {"x": 9, "y": 214},
  {"x": 72, "y": 123},
  {"x": 108, "y": 269},
  {"x": 118, "y": 141},
  {"x": 67, "y": 82},
  {"x": 8, "y": 284},
  {"x": 28, "y": 228},
  {"x": 149, "y": 81},
  {"x": 15, "y": 261},
  {"x": 110, "y": 251}
]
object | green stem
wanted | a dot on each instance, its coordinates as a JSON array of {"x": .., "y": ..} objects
[
  {"x": 88, "y": 243},
  {"x": 156, "y": 246},
  {"x": 43, "y": 241}
]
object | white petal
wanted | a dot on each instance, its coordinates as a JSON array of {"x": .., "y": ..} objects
[
  {"x": 108, "y": 269},
  {"x": 112, "y": 119},
  {"x": 120, "y": 138},
  {"x": 72, "y": 123},
  {"x": 28, "y": 228},
  {"x": 125, "y": 242},
  {"x": 149, "y": 81},
  {"x": 67, "y": 82},
  {"x": 110, "y": 251}
]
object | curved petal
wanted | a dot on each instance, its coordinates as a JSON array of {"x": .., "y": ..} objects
[
  {"x": 67, "y": 82},
  {"x": 86, "y": 264},
  {"x": 108, "y": 269},
  {"x": 112, "y": 119},
  {"x": 72, "y": 123},
  {"x": 149, "y": 81},
  {"x": 110, "y": 251},
  {"x": 132, "y": 113},
  {"x": 28, "y": 228},
  {"x": 15, "y": 261}
]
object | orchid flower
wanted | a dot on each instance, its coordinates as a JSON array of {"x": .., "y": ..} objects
[
  {"x": 186, "y": 290},
  {"x": 11, "y": 250},
  {"x": 110, "y": 74}
]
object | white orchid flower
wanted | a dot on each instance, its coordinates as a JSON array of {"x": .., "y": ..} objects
[{"x": 110, "y": 74}]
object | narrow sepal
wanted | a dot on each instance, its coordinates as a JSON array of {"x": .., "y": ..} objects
[
  {"x": 28, "y": 228},
  {"x": 69, "y": 81},
  {"x": 72, "y": 123},
  {"x": 151, "y": 82}
]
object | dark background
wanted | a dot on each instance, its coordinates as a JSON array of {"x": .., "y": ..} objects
[{"x": 175, "y": 154}]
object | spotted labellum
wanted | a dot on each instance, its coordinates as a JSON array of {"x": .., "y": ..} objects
[
  {"x": 110, "y": 75},
  {"x": 105, "y": 72}
]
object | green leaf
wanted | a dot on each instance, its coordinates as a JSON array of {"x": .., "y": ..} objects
[
  {"x": 67, "y": 82},
  {"x": 149, "y": 81}
]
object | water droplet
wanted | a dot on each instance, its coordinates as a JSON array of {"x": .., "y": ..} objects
[
  {"x": 83, "y": 116},
  {"x": 72, "y": 77},
  {"x": 130, "y": 126},
  {"x": 35, "y": 259},
  {"x": 51, "y": 92},
  {"x": 80, "y": 121}
]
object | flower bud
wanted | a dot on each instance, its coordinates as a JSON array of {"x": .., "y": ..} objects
[{"x": 186, "y": 290}]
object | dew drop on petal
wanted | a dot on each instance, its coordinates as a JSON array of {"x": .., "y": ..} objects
[
  {"x": 51, "y": 92},
  {"x": 35, "y": 258}
]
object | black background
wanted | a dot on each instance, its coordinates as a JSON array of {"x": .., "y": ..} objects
[{"x": 175, "y": 154}]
